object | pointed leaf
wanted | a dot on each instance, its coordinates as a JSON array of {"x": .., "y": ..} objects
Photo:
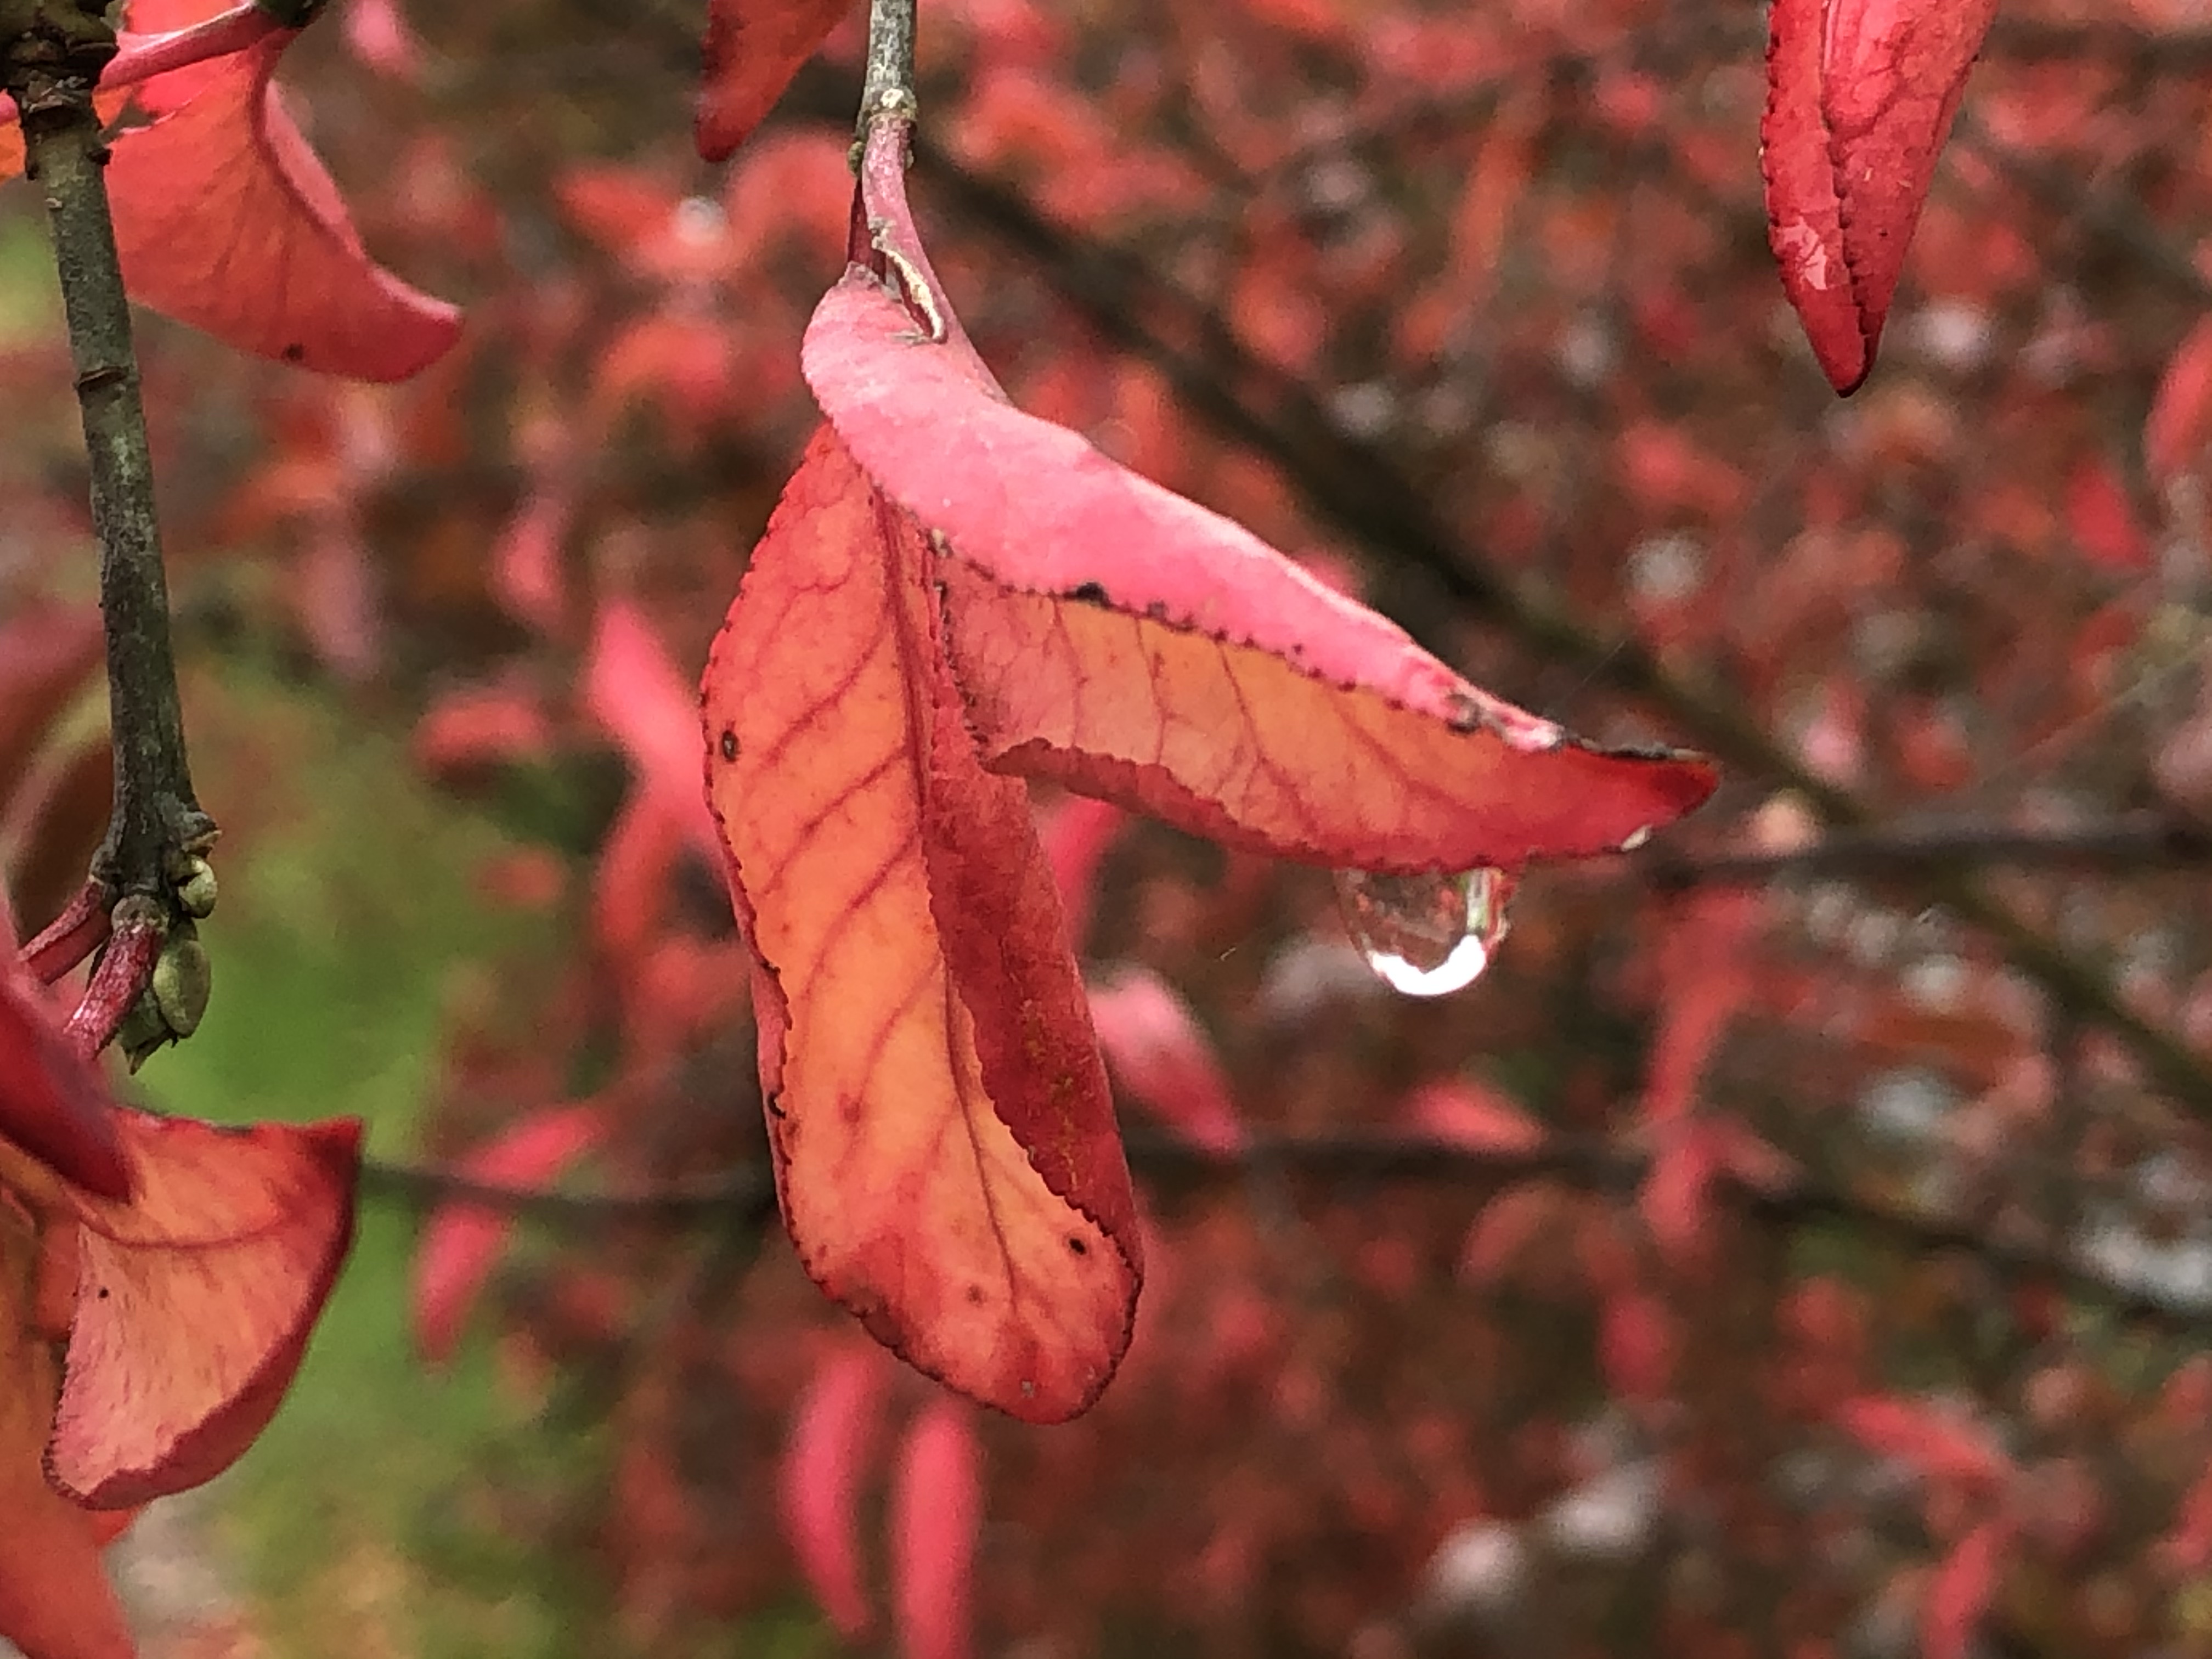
[
  {"x": 752, "y": 49},
  {"x": 226, "y": 219},
  {"x": 462, "y": 1242},
  {"x": 1115, "y": 638},
  {"x": 943, "y": 1140},
  {"x": 195, "y": 1300},
  {"x": 834, "y": 1432},
  {"x": 1860, "y": 98},
  {"x": 936, "y": 1511}
]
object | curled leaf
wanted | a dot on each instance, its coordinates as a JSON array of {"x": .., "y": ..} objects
[
  {"x": 195, "y": 1300},
  {"x": 944, "y": 1139},
  {"x": 226, "y": 219},
  {"x": 1115, "y": 638},
  {"x": 55, "y": 1601}
]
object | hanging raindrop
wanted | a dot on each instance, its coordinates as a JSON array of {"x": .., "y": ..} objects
[{"x": 1425, "y": 935}]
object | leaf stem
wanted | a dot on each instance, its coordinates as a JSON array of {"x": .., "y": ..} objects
[
  {"x": 888, "y": 88},
  {"x": 51, "y": 55}
]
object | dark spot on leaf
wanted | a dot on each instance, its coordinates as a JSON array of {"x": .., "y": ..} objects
[
  {"x": 775, "y": 1106},
  {"x": 295, "y": 353},
  {"x": 1089, "y": 593},
  {"x": 729, "y": 745},
  {"x": 975, "y": 1293},
  {"x": 1079, "y": 1247},
  {"x": 103, "y": 1293},
  {"x": 1157, "y": 611}
]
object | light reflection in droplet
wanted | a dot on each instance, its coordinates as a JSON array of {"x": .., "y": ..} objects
[{"x": 1425, "y": 935}]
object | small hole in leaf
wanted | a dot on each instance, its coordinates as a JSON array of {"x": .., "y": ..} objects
[
  {"x": 775, "y": 1106},
  {"x": 729, "y": 745},
  {"x": 1079, "y": 1247}
]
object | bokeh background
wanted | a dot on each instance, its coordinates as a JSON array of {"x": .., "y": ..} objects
[{"x": 1791, "y": 1246}]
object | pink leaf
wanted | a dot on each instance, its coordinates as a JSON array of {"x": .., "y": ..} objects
[
  {"x": 1155, "y": 1049},
  {"x": 1960, "y": 1592},
  {"x": 936, "y": 1511},
  {"x": 1860, "y": 98},
  {"x": 1126, "y": 643},
  {"x": 226, "y": 219},
  {"x": 834, "y": 1432},
  {"x": 1473, "y": 1115},
  {"x": 636, "y": 693},
  {"x": 462, "y": 1242},
  {"x": 1928, "y": 1441}
]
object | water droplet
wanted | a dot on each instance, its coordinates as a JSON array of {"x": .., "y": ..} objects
[{"x": 1425, "y": 935}]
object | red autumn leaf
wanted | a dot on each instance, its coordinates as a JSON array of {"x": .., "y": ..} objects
[
  {"x": 1959, "y": 1594},
  {"x": 55, "y": 1601},
  {"x": 752, "y": 49},
  {"x": 834, "y": 1432},
  {"x": 943, "y": 1135},
  {"x": 2180, "y": 418},
  {"x": 195, "y": 1300},
  {"x": 462, "y": 1242},
  {"x": 226, "y": 219},
  {"x": 1473, "y": 1115},
  {"x": 1924, "y": 1439},
  {"x": 1126, "y": 643},
  {"x": 53, "y": 1104},
  {"x": 1860, "y": 98},
  {"x": 2104, "y": 522},
  {"x": 936, "y": 1510},
  {"x": 1156, "y": 1049}
]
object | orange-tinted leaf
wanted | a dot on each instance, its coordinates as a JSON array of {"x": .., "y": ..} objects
[
  {"x": 936, "y": 1511},
  {"x": 461, "y": 1241},
  {"x": 944, "y": 1139},
  {"x": 752, "y": 49},
  {"x": 1860, "y": 98},
  {"x": 195, "y": 1300},
  {"x": 55, "y": 1602},
  {"x": 1116, "y": 638},
  {"x": 226, "y": 219},
  {"x": 834, "y": 1432}
]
